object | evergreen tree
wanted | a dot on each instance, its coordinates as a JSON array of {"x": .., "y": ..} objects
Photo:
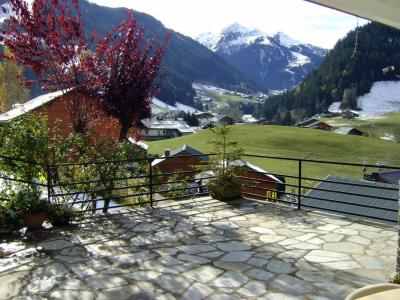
[{"x": 349, "y": 100}]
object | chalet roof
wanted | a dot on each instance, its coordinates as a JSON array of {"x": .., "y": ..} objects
[
  {"x": 334, "y": 184},
  {"x": 21, "y": 109},
  {"x": 315, "y": 124},
  {"x": 307, "y": 122},
  {"x": 222, "y": 118},
  {"x": 391, "y": 177},
  {"x": 179, "y": 151},
  {"x": 181, "y": 126},
  {"x": 245, "y": 163}
]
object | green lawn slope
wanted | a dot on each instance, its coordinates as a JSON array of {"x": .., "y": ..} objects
[{"x": 285, "y": 141}]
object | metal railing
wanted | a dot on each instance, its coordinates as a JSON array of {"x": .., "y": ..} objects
[{"x": 109, "y": 185}]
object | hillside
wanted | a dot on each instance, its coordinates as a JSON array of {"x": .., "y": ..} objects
[
  {"x": 296, "y": 142},
  {"x": 348, "y": 71},
  {"x": 186, "y": 61}
]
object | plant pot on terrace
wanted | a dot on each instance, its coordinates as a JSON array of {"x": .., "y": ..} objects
[
  {"x": 34, "y": 220},
  {"x": 32, "y": 208}
]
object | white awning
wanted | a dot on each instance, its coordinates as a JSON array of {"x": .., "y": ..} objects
[{"x": 382, "y": 11}]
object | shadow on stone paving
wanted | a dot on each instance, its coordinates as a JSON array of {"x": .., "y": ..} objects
[{"x": 203, "y": 249}]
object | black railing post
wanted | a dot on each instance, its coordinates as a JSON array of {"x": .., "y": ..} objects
[
  {"x": 299, "y": 187},
  {"x": 398, "y": 237},
  {"x": 151, "y": 181},
  {"x": 49, "y": 182}
]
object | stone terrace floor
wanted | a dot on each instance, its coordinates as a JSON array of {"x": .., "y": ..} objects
[{"x": 207, "y": 249}]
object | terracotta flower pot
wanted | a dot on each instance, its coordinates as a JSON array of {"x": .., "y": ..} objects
[{"x": 33, "y": 220}]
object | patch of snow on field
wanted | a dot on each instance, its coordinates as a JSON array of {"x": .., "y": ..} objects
[
  {"x": 388, "y": 137},
  {"x": 383, "y": 98}
]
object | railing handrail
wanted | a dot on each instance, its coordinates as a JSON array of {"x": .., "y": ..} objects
[{"x": 324, "y": 161}]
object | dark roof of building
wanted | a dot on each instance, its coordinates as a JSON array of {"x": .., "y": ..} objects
[
  {"x": 370, "y": 194},
  {"x": 177, "y": 152},
  {"x": 391, "y": 177},
  {"x": 226, "y": 118},
  {"x": 250, "y": 166}
]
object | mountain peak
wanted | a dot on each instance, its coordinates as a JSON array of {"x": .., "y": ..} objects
[{"x": 235, "y": 27}]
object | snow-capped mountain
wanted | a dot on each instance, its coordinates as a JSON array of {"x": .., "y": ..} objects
[{"x": 276, "y": 61}]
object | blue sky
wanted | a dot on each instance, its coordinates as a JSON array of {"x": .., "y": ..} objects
[{"x": 301, "y": 20}]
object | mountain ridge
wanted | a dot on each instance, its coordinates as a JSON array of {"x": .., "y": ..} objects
[{"x": 275, "y": 61}]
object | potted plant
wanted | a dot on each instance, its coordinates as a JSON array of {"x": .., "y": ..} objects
[
  {"x": 31, "y": 206},
  {"x": 61, "y": 215},
  {"x": 226, "y": 185}
]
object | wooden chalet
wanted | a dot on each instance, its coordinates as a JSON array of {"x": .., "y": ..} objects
[{"x": 54, "y": 107}]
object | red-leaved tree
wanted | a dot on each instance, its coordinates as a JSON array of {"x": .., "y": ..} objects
[
  {"x": 123, "y": 73},
  {"x": 49, "y": 39}
]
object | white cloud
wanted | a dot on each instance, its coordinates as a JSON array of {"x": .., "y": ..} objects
[{"x": 301, "y": 20}]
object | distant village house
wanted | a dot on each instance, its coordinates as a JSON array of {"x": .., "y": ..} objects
[{"x": 154, "y": 129}]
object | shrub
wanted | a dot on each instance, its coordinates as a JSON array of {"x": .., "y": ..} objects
[
  {"x": 10, "y": 220},
  {"x": 60, "y": 215},
  {"x": 28, "y": 200}
]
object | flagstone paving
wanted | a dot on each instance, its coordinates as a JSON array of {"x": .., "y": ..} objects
[{"x": 200, "y": 250}]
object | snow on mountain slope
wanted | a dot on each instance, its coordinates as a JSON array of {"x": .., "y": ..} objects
[
  {"x": 163, "y": 105},
  {"x": 298, "y": 60},
  {"x": 186, "y": 108},
  {"x": 286, "y": 40},
  {"x": 158, "y": 105},
  {"x": 383, "y": 98}
]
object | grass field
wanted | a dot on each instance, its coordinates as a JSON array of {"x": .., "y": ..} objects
[
  {"x": 284, "y": 141},
  {"x": 375, "y": 127}
]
